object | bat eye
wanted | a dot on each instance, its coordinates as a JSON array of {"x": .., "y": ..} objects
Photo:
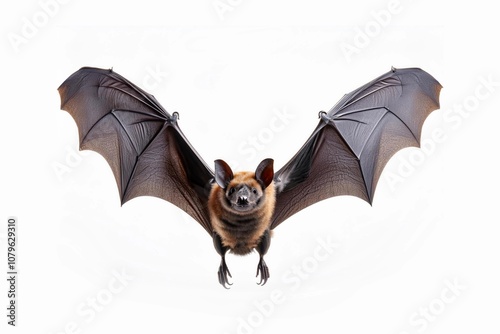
[
  {"x": 231, "y": 191},
  {"x": 254, "y": 191}
]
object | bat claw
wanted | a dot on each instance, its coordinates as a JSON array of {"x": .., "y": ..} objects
[
  {"x": 324, "y": 116},
  {"x": 264, "y": 272},
  {"x": 175, "y": 116},
  {"x": 223, "y": 274}
]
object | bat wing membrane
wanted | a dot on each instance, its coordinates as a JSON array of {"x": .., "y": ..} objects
[
  {"x": 148, "y": 153},
  {"x": 352, "y": 143}
]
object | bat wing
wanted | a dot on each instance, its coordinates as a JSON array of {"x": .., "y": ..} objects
[
  {"x": 352, "y": 143},
  {"x": 141, "y": 141}
]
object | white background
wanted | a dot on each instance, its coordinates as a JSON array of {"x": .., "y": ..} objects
[{"x": 229, "y": 67}]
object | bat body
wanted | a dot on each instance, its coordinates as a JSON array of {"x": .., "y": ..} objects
[
  {"x": 150, "y": 156},
  {"x": 241, "y": 207}
]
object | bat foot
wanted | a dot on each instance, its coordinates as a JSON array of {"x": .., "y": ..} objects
[
  {"x": 263, "y": 270},
  {"x": 223, "y": 274}
]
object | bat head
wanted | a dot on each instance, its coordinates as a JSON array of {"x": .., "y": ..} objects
[{"x": 244, "y": 190}]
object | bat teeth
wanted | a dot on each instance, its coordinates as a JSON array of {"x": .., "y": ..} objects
[{"x": 242, "y": 200}]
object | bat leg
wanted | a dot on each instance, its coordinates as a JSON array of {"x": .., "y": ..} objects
[
  {"x": 262, "y": 248},
  {"x": 223, "y": 272}
]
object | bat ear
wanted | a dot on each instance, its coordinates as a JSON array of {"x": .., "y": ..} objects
[
  {"x": 264, "y": 173},
  {"x": 223, "y": 173}
]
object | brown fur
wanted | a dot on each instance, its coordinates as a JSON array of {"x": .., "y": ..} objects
[{"x": 244, "y": 230}]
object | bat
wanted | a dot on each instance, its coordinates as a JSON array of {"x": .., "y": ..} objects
[{"x": 150, "y": 156}]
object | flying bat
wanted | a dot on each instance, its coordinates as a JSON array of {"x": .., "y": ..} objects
[{"x": 150, "y": 156}]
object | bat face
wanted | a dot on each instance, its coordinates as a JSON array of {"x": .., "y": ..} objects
[{"x": 244, "y": 193}]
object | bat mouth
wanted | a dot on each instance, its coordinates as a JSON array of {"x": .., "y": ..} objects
[
  {"x": 243, "y": 207},
  {"x": 242, "y": 201},
  {"x": 242, "y": 204}
]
